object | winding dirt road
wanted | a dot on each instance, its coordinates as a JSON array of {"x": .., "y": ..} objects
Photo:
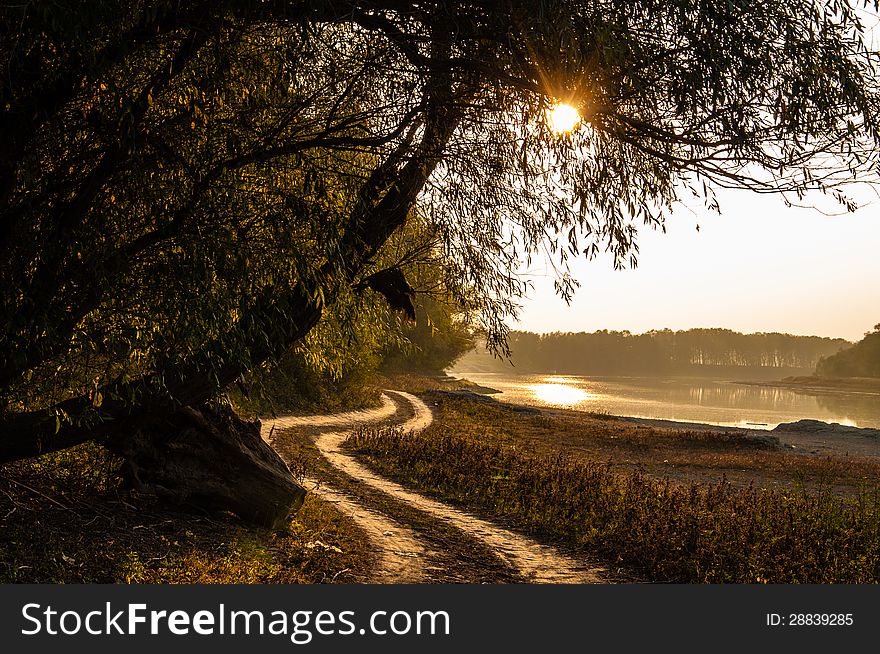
[{"x": 402, "y": 555}]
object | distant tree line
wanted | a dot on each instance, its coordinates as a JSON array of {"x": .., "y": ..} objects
[
  {"x": 658, "y": 352},
  {"x": 860, "y": 360}
]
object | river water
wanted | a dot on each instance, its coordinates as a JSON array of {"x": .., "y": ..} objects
[{"x": 685, "y": 399}]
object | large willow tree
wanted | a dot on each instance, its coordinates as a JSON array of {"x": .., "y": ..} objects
[{"x": 186, "y": 186}]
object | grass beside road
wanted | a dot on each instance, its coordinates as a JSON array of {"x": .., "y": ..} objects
[
  {"x": 64, "y": 520},
  {"x": 538, "y": 472}
]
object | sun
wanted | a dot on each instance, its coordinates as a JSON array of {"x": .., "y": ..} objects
[
  {"x": 554, "y": 393},
  {"x": 563, "y": 118}
]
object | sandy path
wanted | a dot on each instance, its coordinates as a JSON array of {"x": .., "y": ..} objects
[
  {"x": 401, "y": 555},
  {"x": 350, "y": 419},
  {"x": 538, "y": 563}
]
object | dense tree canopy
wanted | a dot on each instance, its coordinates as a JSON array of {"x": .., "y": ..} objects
[
  {"x": 860, "y": 360},
  {"x": 185, "y": 188}
]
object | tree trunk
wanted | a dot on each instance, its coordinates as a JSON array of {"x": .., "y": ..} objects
[
  {"x": 212, "y": 459},
  {"x": 279, "y": 319}
]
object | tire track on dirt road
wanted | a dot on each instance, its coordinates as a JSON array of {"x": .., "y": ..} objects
[{"x": 402, "y": 553}]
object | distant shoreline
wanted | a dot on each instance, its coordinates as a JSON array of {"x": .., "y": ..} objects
[
  {"x": 858, "y": 441},
  {"x": 812, "y": 383}
]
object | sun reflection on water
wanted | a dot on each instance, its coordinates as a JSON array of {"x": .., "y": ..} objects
[{"x": 560, "y": 394}]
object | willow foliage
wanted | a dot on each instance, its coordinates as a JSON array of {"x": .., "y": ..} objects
[{"x": 187, "y": 187}]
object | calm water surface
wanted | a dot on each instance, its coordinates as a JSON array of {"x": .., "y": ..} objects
[{"x": 688, "y": 400}]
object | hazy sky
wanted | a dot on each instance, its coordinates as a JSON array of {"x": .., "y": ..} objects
[{"x": 759, "y": 266}]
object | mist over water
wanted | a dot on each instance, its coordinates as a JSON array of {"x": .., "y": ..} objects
[{"x": 684, "y": 399}]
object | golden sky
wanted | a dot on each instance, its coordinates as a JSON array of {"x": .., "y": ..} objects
[{"x": 759, "y": 266}]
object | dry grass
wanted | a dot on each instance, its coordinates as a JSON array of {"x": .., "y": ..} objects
[
  {"x": 572, "y": 480},
  {"x": 681, "y": 455},
  {"x": 422, "y": 383},
  {"x": 63, "y": 520}
]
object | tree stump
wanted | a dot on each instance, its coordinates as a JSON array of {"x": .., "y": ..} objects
[{"x": 210, "y": 458}]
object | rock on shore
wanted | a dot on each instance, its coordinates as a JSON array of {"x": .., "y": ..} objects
[{"x": 826, "y": 429}]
